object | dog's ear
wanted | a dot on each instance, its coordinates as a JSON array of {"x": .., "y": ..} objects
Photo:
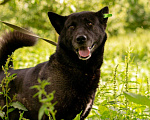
[
  {"x": 57, "y": 21},
  {"x": 100, "y": 15}
]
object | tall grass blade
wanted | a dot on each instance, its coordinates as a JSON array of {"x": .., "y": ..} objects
[
  {"x": 137, "y": 98},
  {"x": 25, "y": 31}
]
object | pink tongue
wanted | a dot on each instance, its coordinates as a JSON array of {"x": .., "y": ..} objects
[{"x": 84, "y": 52}]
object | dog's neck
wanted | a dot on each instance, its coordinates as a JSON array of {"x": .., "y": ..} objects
[{"x": 70, "y": 58}]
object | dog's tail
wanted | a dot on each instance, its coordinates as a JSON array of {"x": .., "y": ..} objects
[{"x": 10, "y": 42}]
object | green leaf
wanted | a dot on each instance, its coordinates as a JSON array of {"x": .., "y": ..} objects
[
  {"x": 35, "y": 86},
  {"x": 2, "y": 114},
  {"x": 78, "y": 116},
  {"x": 46, "y": 112},
  {"x": 10, "y": 110},
  {"x": 107, "y": 15},
  {"x": 41, "y": 111},
  {"x": 18, "y": 105},
  {"x": 36, "y": 95},
  {"x": 21, "y": 115},
  {"x": 44, "y": 100},
  {"x": 102, "y": 108},
  {"x": 137, "y": 98}
]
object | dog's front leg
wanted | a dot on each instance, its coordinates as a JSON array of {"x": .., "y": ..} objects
[{"x": 87, "y": 109}]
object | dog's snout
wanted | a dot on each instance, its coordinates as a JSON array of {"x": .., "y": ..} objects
[{"x": 81, "y": 39}]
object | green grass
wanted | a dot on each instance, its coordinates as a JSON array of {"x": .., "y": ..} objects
[
  {"x": 10, "y": 105},
  {"x": 120, "y": 74},
  {"x": 31, "y": 56},
  {"x": 126, "y": 67}
]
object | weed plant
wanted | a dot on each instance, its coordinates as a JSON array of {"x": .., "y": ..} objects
[
  {"x": 130, "y": 76},
  {"x": 10, "y": 105},
  {"x": 45, "y": 98}
]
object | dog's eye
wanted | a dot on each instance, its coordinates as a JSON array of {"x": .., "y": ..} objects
[
  {"x": 71, "y": 27},
  {"x": 89, "y": 24}
]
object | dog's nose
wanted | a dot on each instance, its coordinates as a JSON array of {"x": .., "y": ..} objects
[{"x": 81, "y": 39}]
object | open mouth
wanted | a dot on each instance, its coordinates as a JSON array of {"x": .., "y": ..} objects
[{"x": 84, "y": 53}]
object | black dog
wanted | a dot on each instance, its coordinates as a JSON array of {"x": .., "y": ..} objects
[{"x": 73, "y": 70}]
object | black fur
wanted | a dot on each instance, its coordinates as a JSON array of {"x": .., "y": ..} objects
[
  {"x": 73, "y": 70},
  {"x": 11, "y": 41}
]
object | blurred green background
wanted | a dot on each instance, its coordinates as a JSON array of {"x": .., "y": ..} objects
[{"x": 128, "y": 15}]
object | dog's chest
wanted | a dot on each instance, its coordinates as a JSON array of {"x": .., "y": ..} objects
[
  {"x": 74, "y": 89},
  {"x": 73, "y": 81},
  {"x": 76, "y": 92}
]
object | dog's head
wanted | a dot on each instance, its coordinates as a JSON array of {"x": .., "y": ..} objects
[{"x": 81, "y": 32}]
